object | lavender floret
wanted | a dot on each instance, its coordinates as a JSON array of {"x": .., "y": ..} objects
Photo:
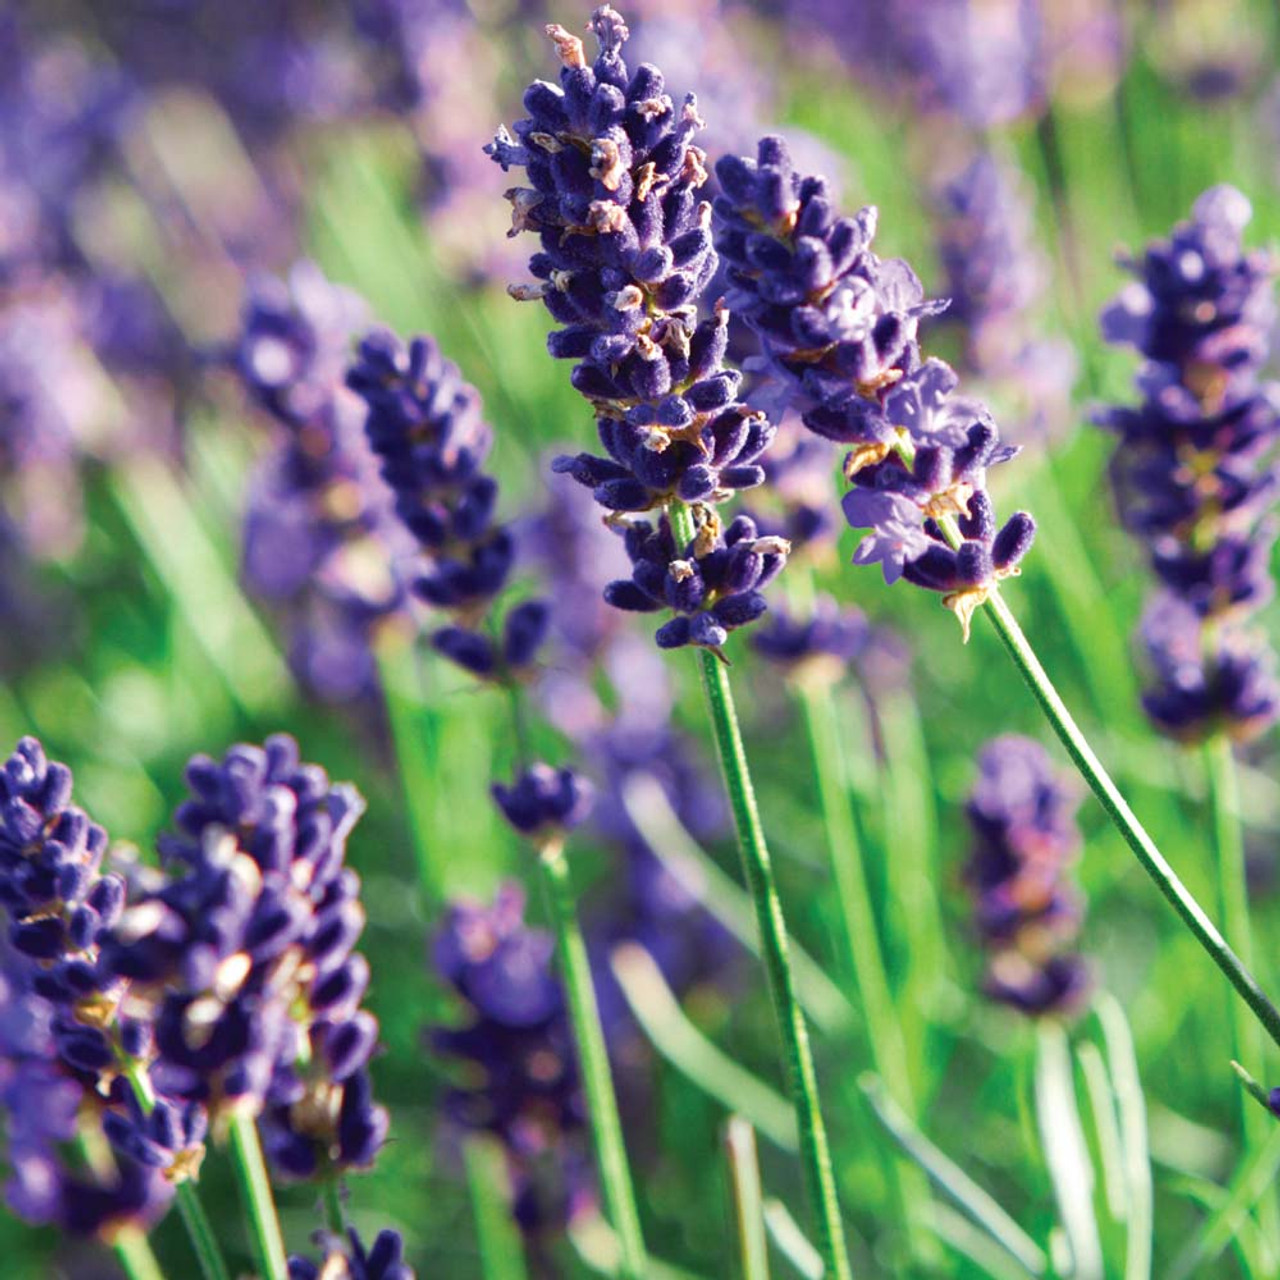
[
  {"x": 544, "y": 803},
  {"x": 713, "y": 585},
  {"x": 351, "y": 1260}
]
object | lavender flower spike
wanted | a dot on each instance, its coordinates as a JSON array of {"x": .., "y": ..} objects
[
  {"x": 1027, "y": 915},
  {"x": 425, "y": 423},
  {"x": 247, "y": 956},
  {"x": 1192, "y": 470},
  {"x": 839, "y": 329},
  {"x": 626, "y": 255}
]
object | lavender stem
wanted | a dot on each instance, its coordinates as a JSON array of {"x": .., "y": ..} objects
[
  {"x": 194, "y": 1219},
  {"x": 802, "y": 1078},
  {"x": 593, "y": 1060},
  {"x": 1126, "y": 822},
  {"x": 255, "y": 1190},
  {"x": 133, "y": 1253}
]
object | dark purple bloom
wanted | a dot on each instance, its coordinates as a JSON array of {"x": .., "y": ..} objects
[
  {"x": 838, "y": 325},
  {"x": 1193, "y": 470},
  {"x": 544, "y": 803},
  {"x": 626, "y": 255},
  {"x": 1027, "y": 914},
  {"x": 247, "y": 951},
  {"x": 821, "y": 646},
  {"x": 352, "y": 1261},
  {"x": 713, "y": 585},
  {"x": 517, "y": 1042}
]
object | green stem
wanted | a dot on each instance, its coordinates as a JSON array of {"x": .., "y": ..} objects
[
  {"x": 1228, "y": 839},
  {"x": 501, "y": 1249},
  {"x": 334, "y": 1215},
  {"x": 815, "y": 1152},
  {"x": 194, "y": 1218},
  {"x": 606, "y": 1125},
  {"x": 255, "y": 1190},
  {"x": 1135, "y": 835},
  {"x": 133, "y": 1253}
]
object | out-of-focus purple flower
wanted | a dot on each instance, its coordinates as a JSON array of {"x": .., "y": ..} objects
[
  {"x": 351, "y": 1260},
  {"x": 247, "y": 957},
  {"x": 820, "y": 646},
  {"x": 544, "y": 803},
  {"x": 1192, "y": 471},
  {"x": 518, "y": 1044},
  {"x": 798, "y": 499},
  {"x": 626, "y": 254},
  {"x": 713, "y": 586},
  {"x": 320, "y": 540},
  {"x": 1028, "y": 916},
  {"x": 996, "y": 277}
]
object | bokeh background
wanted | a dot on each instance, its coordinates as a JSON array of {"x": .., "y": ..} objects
[{"x": 159, "y": 158}]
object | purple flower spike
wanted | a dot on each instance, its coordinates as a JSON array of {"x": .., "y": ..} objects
[
  {"x": 839, "y": 329},
  {"x": 425, "y": 423},
  {"x": 517, "y": 1046},
  {"x": 247, "y": 957},
  {"x": 1027, "y": 915},
  {"x": 626, "y": 256},
  {"x": 1192, "y": 470}
]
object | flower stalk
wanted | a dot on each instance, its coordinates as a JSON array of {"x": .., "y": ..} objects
[
  {"x": 255, "y": 1191},
  {"x": 593, "y": 1059},
  {"x": 815, "y": 1150}
]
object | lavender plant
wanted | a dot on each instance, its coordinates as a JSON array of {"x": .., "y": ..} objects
[{"x": 839, "y": 327}]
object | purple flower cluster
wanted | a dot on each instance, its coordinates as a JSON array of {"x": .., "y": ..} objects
[
  {"x": 712, "y": 586},
  {"x": 245, "y": 955},
  {"x": 626, "y": 255},
  {"x": 320, "y": 542},
  {"x": 1193, "y": 470},
  {"x": 543, "y": 803},
  {"x": 1027, "y": 914},
  {"x": 425, "y": 424},
  {"x": 838, "y": 327},
  {"x": 518, "y": 1047},
  {"x": 63, "y": 1032},
  {"x": 349, "y": 1259}
]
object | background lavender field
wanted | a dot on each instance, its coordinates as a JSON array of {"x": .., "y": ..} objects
[{"x": 183, "y": 183}]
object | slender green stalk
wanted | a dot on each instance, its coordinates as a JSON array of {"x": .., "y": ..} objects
[
  {"x": 815, "y": 1151},
  {"x": 335, "y": 1216},
  {"x": 1106, "y": 1128},
  {"x": 726, "y": 900},
  {"x": 748, "y": 1198},
  {"x": 606, "y": 1125},
  {"x": 255, "y": 1191},
  {"x": 501, "y": 1250},
  {"x": 199, "y": 1229},
  {"x": 133, "y": 1253},
  {"x": 1135, "y": 835},
  {"x": 1250, "y": 1045},
  {"x": 974, "y": 1201},
  {"x": 1065, "y": 1151},
  {"x": 791, "y": 1241}
]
